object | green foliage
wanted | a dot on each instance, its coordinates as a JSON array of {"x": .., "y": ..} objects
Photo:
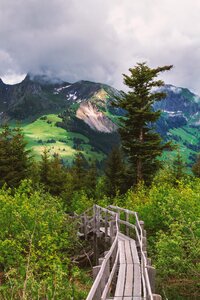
[
  {"x": 81, "y": 202},
  {"x": 139, "y": 140},
  {"x": 37, "y": 240},
  {"x": 14, "y": 158}
]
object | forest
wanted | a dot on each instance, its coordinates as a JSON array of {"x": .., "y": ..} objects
[{"x": 39, "y": 246}]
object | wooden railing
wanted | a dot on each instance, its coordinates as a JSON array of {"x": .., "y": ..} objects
[
  {"x": 111, "y": 221},
  {"x": 147, "y": 271},
  {"x": 108, "y": 265}
]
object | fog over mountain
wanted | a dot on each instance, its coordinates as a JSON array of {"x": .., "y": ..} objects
[{"x": 99, "y": 40}]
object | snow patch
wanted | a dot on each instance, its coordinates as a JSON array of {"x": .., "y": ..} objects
[
  {"x": 58, "y": 90},
  {"x": 174, "y": 89},
  {"x": 173, "y": 113},
  {"x": 71, "y": 96}
]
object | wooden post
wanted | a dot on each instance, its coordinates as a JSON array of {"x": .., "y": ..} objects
[
  {"x": 127, "y": 220},
  {"x": 144, "y": 244},
  {"x": 95, "y": 241},
  {"x": 106, "y": 225},
  {"x": 152, "y": 273},
  {"x": 118, "y": 212},
  {"x": 85, "y": 225},
  {"x": 97, "y": 221},
  {"x": 148, "y": 261},
  {"x": 112, "y": 231}
]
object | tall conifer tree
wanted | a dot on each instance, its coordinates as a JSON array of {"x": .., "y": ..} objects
[
  {"x": 15, "y": 160},
  {"x": 196, "y": 167},
  {"x": 115, "y": 172},
  {"x": 139, "y": 140}
]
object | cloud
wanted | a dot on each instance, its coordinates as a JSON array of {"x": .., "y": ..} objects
[{"x": 99, "y": 40}]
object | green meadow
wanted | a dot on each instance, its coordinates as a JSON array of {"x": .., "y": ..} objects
[{"x": 43, "y": 133}]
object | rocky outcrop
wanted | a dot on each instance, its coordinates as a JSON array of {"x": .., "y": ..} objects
[{"x": 90, "y": 114}]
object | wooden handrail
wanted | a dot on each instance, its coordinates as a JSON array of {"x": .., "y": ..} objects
[
  {"x": 97, "y": 283},
  {"x": 145, "y": 276},
  {"x": 103, "y": 280}
]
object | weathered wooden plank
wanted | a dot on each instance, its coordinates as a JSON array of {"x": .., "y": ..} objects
[
  {"x": 134, "y": 252},
  {"x": 120, "y": 281},
  {"x": 122, "y": 257},
  {"x": 137, "y": 290},
  {"x": 128, "y": 290},
  {"x": 128, "y": 254}
]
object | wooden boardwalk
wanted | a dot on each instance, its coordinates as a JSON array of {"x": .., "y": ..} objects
[{"x": 124, "y": 272}]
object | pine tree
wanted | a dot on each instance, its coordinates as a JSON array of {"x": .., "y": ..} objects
[
  {"x": 196, "y": 167},
  {"x": 45, "y": 166},
  {"x": 79, "y": 171},
  {"x": 52, "y": 173},
  {"x": 15, "y": 160},
  {"x": 91, "y": 180},
  {"x": 114, "y": 171},
  {"x": 57, "y": 176},
  {"x": 178, "y": 167},
  {"x": 139, "y": 140}
]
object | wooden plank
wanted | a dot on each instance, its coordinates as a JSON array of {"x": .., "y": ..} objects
[
  {"x": 120, "y": 281},
  {"x": 137, "y": 290},
  {"x": 122, "y": 257},
  {"x": 128, "y": 290},
  {"x": 129, "y": 259},
  {"x": 134, "y": 252}
]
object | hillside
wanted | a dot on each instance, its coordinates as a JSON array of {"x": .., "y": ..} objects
[{"x": 65, "y": 117}]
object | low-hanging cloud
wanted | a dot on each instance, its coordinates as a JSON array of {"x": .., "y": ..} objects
[{"x": 99, "y": 39}]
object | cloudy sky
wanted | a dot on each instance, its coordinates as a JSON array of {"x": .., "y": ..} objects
[{"x": 99, "y": 40}]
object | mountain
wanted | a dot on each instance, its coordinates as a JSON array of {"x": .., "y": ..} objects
[{"x": 67, "y": 116}]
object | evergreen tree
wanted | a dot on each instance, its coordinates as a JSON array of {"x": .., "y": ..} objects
[
  {"x": 114, "y": 171},
  {"x": 45, "y": 168},
  {"x": 91, "y": 180},
  {"x": 15, "y": 160},
  {"x": 139, "y": 140},
  {"x": 196, "y": 167},
  {"x": 79, "y": 171},
  {"x": 57, "y": 176},
  {"x": 178, "y": 167},
  {"x": 52, "y": 174}
]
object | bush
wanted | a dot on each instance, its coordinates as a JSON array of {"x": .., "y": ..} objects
[{"x": 36, "y": 241}]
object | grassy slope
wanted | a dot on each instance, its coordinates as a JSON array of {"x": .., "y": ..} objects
[
  {"x": 184, "y": 135},
  {"x": 44, "y": 133}
]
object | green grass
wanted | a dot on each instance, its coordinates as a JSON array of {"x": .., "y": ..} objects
[
  {"x": 187, "y": 134},
  {"x": 40, "y": 134}
]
